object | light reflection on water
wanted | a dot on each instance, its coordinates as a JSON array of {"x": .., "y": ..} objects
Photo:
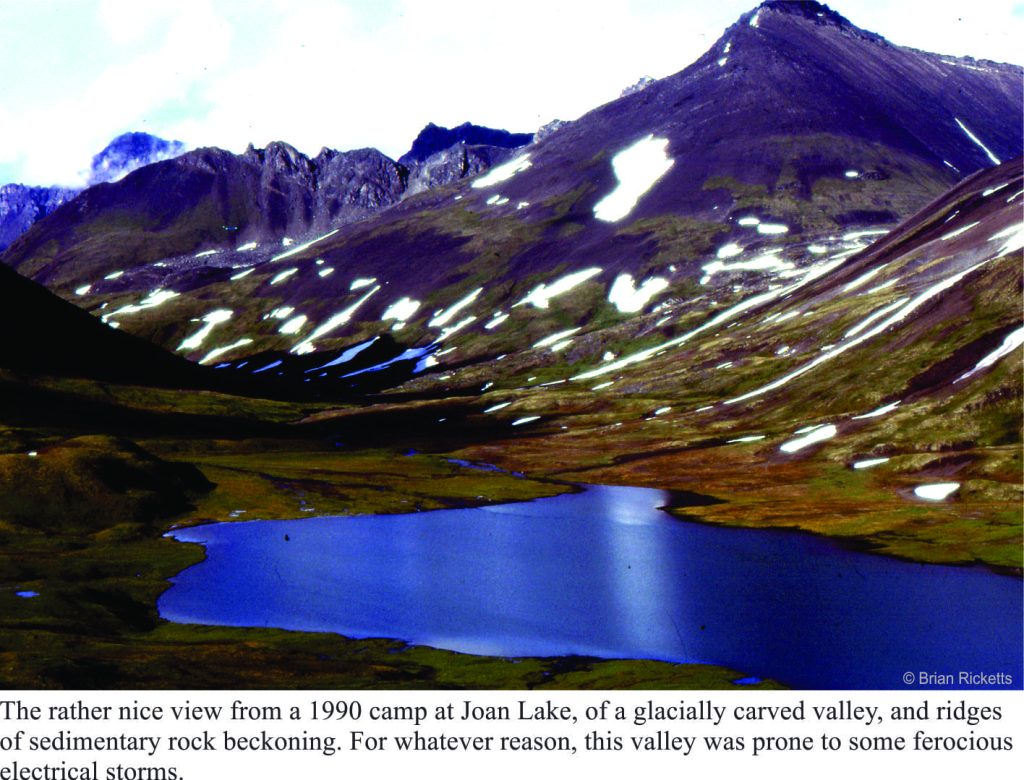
[{"x": 606, "y": 573}]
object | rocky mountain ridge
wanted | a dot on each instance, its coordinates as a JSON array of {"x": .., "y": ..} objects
[{"x": 22, "y": 205}]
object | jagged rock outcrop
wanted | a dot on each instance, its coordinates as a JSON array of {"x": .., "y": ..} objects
[
  {"x": 454, "y": 163},
  {"x": 21, "y": 206}
]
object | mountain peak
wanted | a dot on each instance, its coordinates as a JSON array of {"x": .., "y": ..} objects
[
  {"x": 129, "y": 151},
  {"x": 796, "y": 10},
  {"x": 435, "y": 138},
  {"x": 806, "y": 8}
]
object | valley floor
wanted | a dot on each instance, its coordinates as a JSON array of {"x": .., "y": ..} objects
[{"x": 88, "y": 536}]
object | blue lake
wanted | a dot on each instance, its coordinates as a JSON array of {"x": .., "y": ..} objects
[{"x": 606, "y": 573}]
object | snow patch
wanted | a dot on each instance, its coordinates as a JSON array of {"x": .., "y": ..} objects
[
  {"x": 873, "y": 317},
  {"x": 279, "y": 314},
  {"x": 446, "y": 315},
  {"x": 453, "y": 329},
  {"x": 764, "y": 262},
  {"x": 211, "y": 320},
  {"x": 336, "y": 321},
  {"x": 866, "y": 464},
  {"x": 542, "y": 294},
  {"x": 936, "y": 492},
  {"x": 151, "y": 301},
  {"x": 637, "y": 168},
  {"x": 861, "y": 233},
  {"x": 815, "y": 435},
  {"x": 959, "y": 231},
  {"x": 401, "y": 310},
  {"x": 503, "y": 172},
  {"x": 284, "y": 275},
  {"x": 877, "y": 412},
  {"x": 554, "y": 338},
  {"x": 293, "y": 325},
  {"x": 498, "y": 319},
  {"x": 864, "y": 278},
  {"x": 213, "y": 354},
  {"x": 729, "y": 250},
  {"x": 1014, "y": 236},
  {"x": 628, "y": 298}
]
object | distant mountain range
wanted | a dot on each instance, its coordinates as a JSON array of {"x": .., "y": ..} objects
[
  {"x": 21, "y": 205},
  {"x": 794, "y": 130},
  {"x": 438, "y": 155}
]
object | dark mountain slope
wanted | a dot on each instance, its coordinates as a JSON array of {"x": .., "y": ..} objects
[
  {"x": 792, "y": 140},
  {"x": 49, "y": 336}
]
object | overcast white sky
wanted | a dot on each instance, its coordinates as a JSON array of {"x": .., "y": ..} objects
[{"x": 353, "y": 73}]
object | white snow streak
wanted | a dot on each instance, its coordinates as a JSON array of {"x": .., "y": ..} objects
[
  {"x": 818, "y": 433},
  {"x": 995, "y": 160},
  {"x": 503, "y": 172},
  {"x": 211, "y": 320},
  {"x": 302, "y": 247},
  {"x": 542, "y": 294},
  {"x": 1010, "y": 343}
]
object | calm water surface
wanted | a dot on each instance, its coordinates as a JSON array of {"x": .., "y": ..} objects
[{"x": 606, "y": 573}]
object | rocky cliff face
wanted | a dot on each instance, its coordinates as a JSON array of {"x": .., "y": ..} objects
[
  {"x": 22, "y": 206},
  {"x": 210, "y": 197},
  {"x": 454, "y": 163}
]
